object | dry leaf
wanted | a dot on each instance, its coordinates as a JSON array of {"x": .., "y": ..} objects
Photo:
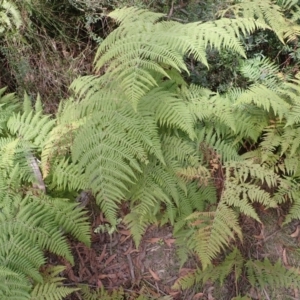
[
  {"x": 169, "y": 242},
  {"x": 102, "y": 255},
  {"x": 174, "y": 294},
  {"x": 280, "y": 221},
  {"x": 185, "y": 271},
  {"x": 198, "y": 296},
  {"x": 296, "y": 293},
  {"x": 110, "y": 259},
  {"x": 261, "y": 236},
  {"x": 154, "y": 275},
  {"x": 253, "y": 293},
  {"x": 154, "y": 240},
  {"x": 209, "y": 293},
  {"x": 124, "y": 232},
  {"x": 296, "y": 232},
  {"x": 99, "y": 283},
  {"x": 284, "y": 258},
  {"x": 111, "y": 276}
]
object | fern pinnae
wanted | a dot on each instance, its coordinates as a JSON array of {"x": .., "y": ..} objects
[
  {"x": 215, "y": 231},
  {"x": 276, "y": 275},
  {"x": 52, "y": 285},
  {"x": 233, "y": 262}
]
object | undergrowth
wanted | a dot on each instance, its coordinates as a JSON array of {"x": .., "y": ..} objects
[{"x": 137, "y": 130}]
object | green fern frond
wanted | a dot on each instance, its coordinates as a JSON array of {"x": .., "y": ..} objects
[
  {"x": 265, "y": 98},
  {"x": 13, "y": 285},
  {"x": 10, "y": 17},
  {"x": 242, "y": 195},
  {"x": 267, "y": 12},
  {"x": 21, "y": 256},
  {"x": 233, "y": 262},
  {"x": 152, "y": 188},
  {"x": 8, "y": 105},
  {"x": 138, "y": 220},
  {"x": 264, "y": 273},
  {"x": 215, "y": 230},
  {"x": 52, "y": 287},
  {"x": 101, "y": 293},
  {"x": 66, "y": 176},
  {"x": 30, "y": 127},
  {"x": 152, "y": 46},
  {"x": 168, "y": 110},
  {"x": 263, "y": 71},
  {"x": 66, "y": 215}
]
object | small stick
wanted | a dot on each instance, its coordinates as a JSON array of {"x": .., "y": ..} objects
[{"x": 131, "y": 267}]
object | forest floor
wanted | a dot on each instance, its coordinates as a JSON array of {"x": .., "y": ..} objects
[{"x": 113, "y": 261}]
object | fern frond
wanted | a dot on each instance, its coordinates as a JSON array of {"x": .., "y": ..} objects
[
  {"x": 101, "y": 293},
  {"x": 30, "y": 127},
  {"x": 10, "y": 17},
  {"x": 51, "y": 288},
  {"x": 215, "y": 231},
  {"x": 66, "y": 176},
  {"x": 168, "y": 110},
  {"x": 263, "y": 71},
  {"x": 264, "y": 273},
  {"x": 13, "y": 285},
  {"x": 263, "y": 97},
  {"x": 151, "y": 48},
  {"x": 245, "y": 170},
  {"x": 265, "y": 11},
  {"x": 65, "y": 215},
  {"x": 233, "y": 262}
]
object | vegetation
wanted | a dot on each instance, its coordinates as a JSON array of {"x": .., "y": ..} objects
[{"x": 147, "y": 128}]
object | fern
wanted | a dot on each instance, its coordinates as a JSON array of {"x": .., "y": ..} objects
[
  {"x": 140, "y": 133},
  {"x": 135, "y": 65},
  {"x": 233, "y": 262},
  {"x": 10, "y": 17},
  {"x": 100, "y": 293},
  {"x": 264, "y": 273},
  {"x": 118, "y": 294},
  {"x": 31, "y": 221},
  {"x": 52, "y": 287},
  {"x": 214, "y": 231},
  {"x": 267, "y": 12},
  {"x": 262, "y": 70}
]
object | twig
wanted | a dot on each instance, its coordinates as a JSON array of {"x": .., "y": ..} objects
[
  {"x": 171, "y": 11},
  {"x": 78, "y": 295},
  {"x": 270, "y": 235},
  {"x": 266, "y": 294},
  {"x": 155, "y": 287},
  {"x": 131, "y": 267}
]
